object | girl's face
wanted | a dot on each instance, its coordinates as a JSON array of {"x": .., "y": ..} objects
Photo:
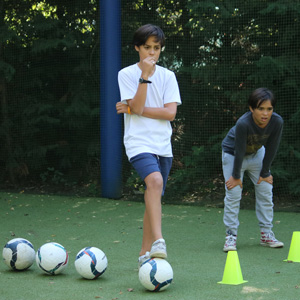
[
  {"x": 262, "y": 115},
  {"x": 151, "y": 48}
]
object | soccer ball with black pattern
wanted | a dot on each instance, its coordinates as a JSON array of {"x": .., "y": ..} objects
[
  {"x": 52, "y": 258},
  {"x": 18, "y": 254},
  {"x": 156, "y": 274},
  {"x": 91, "y": 262}
]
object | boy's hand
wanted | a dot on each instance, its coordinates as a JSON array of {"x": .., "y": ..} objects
[
  {"x": 148, "y": 65},
  {"x": 121, "y": 108},
  {"x": 232, "y": 182},
  {"x": 268, "y": 179}
]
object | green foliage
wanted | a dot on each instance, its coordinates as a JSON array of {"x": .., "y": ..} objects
[
  {"x": 54, "y": 177},
  {"x": 135, "y": 183},
  {"x": 219, "y": 50},
  {"x": 50, "y": 79},
  {"x": 192, "y": 174}
]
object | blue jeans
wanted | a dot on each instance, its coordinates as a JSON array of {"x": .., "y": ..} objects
[{"x": 263, "y": 192}]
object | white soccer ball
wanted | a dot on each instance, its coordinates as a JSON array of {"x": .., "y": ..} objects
[
  {"x": 18, "y": 254},
  {"x": 156, "y": 274},
  {"x": 52, "y": 258},
  {"x": 90, "y": 262}
]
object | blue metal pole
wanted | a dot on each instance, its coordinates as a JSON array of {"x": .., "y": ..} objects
[{"x": 110, "y": 122}]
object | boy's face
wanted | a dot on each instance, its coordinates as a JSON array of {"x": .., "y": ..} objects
[
  {"x": 262, "y": 114},
  {"x": 151, "y": 48}
]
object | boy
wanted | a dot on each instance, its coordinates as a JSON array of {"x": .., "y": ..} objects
[
  {"x": 251, "y": 146},
  {"x": 149, "y": 99}
]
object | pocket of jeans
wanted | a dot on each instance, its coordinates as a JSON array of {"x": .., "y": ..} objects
[{"x": 225, "y": 158}]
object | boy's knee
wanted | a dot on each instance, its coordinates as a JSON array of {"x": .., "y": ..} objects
[{"x": 154, "y": 181}]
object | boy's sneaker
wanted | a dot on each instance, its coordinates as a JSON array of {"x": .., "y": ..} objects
[
  {"x": 230, "y": 242},
  {"x": 143, "y": 258},
  {"x": 159, "y": 249},
  {"x": 268, "y": 239}
]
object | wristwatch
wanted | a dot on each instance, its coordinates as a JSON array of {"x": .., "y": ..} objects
[{"x": 142, "y": 80}]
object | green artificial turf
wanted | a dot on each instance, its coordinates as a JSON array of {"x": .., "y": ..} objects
[{"x": 194, "y": 236}]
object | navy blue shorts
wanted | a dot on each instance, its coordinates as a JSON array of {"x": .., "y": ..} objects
[{"x": 147, "y": 163}]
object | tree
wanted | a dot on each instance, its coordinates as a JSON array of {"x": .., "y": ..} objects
[
  {"x": 220, "y": 51},
  {"x": 49, "y": 55}
]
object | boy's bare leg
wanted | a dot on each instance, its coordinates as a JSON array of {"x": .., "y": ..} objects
[
  {"x": 152, "y": 217},
  {"x": 147, "y": 235}
]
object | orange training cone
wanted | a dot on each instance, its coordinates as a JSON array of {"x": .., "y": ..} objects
[
  {"x": 232, "y": 272},
  {"x": 294, "y": 252}
]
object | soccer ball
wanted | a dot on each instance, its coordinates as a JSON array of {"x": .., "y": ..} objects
[
  {"x": 52, "y": 258},
  {"x": 156, "y": 274},
  {"x": 90, "y": 262},
  {"x": 18, "y": 254}
]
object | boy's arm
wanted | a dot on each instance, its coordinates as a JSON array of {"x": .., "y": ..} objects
[
  {"x": 137, "y": 103},
  {"x": 131, "y": 91},
  {"x": 168, "y": 112}
]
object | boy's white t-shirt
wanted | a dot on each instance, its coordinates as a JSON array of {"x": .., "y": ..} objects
[{"x": 143, "y": 134}]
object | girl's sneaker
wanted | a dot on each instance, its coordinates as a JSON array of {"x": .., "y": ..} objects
[
  {"x": 159, "y": 249},
  {"x": 269, "y": 240},
  {"x": 230, "y": 242}
]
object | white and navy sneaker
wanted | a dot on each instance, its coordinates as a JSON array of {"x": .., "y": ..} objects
[{"x": 143, "y": 258}]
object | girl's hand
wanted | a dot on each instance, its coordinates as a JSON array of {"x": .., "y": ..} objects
[
  {"x": 232, "y": 182},
  {"x": 268, "y": 179}
]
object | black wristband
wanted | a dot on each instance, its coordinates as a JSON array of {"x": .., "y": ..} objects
[{"x": 142, "y": 80}]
